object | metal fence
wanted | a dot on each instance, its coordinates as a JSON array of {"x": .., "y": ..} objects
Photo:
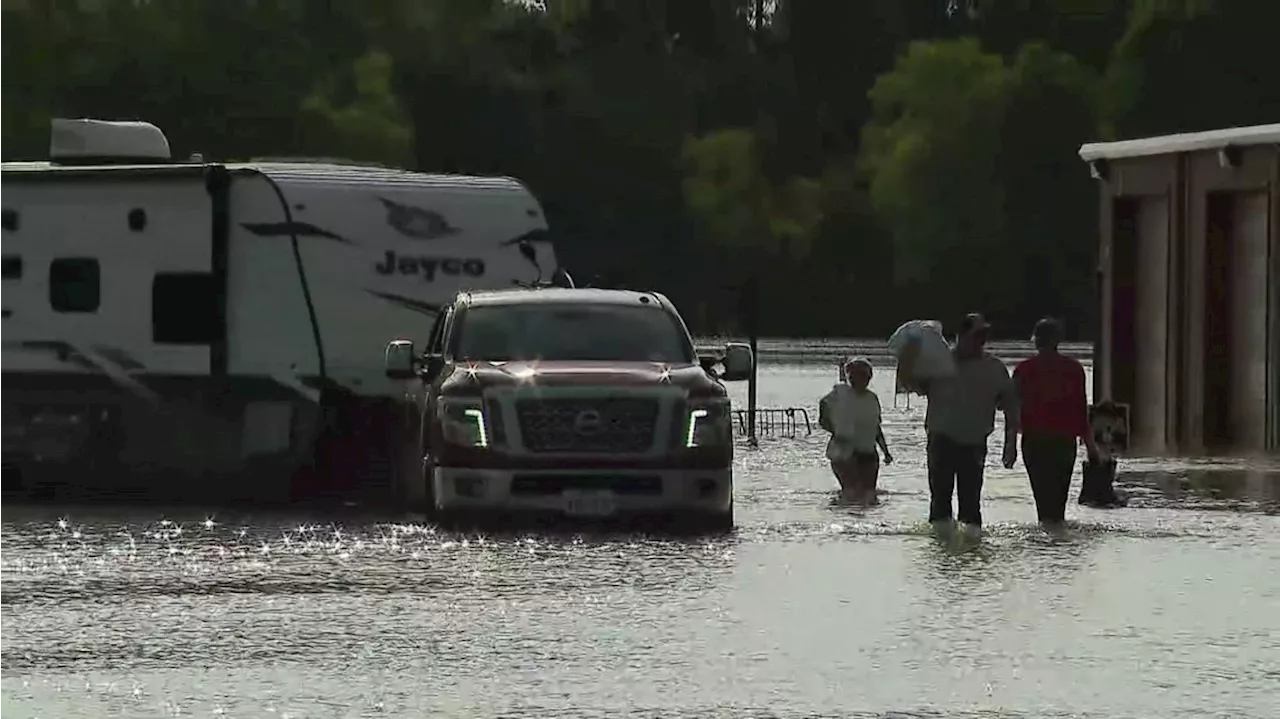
[{"x": 830, "y": 351}]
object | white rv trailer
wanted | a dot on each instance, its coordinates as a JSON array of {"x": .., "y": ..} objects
[{"x": 212, "y": 319}]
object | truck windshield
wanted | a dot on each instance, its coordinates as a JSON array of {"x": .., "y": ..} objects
[{"x": 554, "y": 332}]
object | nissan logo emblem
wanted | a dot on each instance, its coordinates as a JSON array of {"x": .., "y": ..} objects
[{"x": 588, "y": 423}]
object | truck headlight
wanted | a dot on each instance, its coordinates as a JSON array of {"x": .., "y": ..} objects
[
  {"x": 708, "y": 424},
  {"x": 463, "y": 424}
]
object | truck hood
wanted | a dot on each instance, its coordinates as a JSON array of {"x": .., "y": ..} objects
[{"x": 469, "y": 378}]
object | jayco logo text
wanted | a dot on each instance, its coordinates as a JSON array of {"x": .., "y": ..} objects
[{"x": 428, "y": 267}]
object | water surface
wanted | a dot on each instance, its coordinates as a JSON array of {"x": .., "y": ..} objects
[{"x": 1168, "y": 608}]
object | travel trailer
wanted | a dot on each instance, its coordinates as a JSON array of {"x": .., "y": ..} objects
[{"x": 219, "y": 327}]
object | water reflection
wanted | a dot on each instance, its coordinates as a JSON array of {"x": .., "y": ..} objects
[
  {"x": 207, "y": 557},
  {"x": 1242, "y": 485}
]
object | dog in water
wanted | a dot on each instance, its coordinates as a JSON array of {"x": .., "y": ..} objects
[{"x": 1109, "y": 423}]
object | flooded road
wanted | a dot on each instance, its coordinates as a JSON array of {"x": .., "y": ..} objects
[{"x": 1168, "y": 608}]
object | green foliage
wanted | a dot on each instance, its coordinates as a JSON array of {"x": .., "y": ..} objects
[
  {"x": 969, "y": 160},
  {"x": 1050, "y": 110},
  {"x": 1194, "y": 65},
  {"x": 929, "y": 153},
  {"x": 875, "y": 152},
  {"x": 727, "y": 189},
  {"x": 369, "y": 126}
]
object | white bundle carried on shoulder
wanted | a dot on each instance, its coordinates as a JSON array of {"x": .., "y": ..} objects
[{"x": 922, "y": 352}]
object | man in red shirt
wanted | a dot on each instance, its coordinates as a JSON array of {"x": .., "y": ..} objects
[{"x": 1055, "y": 413}]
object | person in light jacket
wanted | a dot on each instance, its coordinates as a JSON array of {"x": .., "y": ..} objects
[
  {"x": 960, "y": 417},
  {"x": 851, "y": 413}
]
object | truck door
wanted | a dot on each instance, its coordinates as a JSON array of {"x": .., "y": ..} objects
[{"x": 431, "y": 390}]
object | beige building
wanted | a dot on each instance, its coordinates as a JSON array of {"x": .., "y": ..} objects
[{"x": 1189, "y": 278}]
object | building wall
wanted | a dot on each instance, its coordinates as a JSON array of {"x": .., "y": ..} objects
[
  {"x": 1250, "y": 234},
  {"x": 1249, "y": 321},
  {"x": 1144, "y": 190},
  {"x": 1188, "y": 217},
  {"x": 1152, "y": 322}
]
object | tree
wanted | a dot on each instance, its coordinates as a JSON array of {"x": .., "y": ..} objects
[
  {"x": 370, "y": 125},
  {"x": 1050, "y": 199},
  {"x": 672, "y": 143},
  {"x": 837, "y": 49},
  {"x": 757, "y": 230},
  {"x": 972, "y": 168},
  {"x": 1194, "y": 65},
  {"x": 741, "y": 208},
  {"x": 929, "y": 152}
]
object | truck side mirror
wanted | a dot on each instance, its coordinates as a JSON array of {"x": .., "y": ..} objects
[
  {"x": 399, "y": 360},
  {"x": 737, "y": 362}
]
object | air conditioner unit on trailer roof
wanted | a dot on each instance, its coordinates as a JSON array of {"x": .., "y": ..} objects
[{"x": 107, "y": 140}]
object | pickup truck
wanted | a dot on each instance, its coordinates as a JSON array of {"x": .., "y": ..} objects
[{"x": 566, "y": 403}]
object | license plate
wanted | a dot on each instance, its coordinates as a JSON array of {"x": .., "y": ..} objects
[{"x": 589, "y": 504}]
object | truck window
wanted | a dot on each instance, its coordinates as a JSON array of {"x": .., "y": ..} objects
[
  {"x": 446, "y": 328},
  {"x": 74, "y": 285},
  {"x": 435, "y": 342},
  {"x": 563, "y": 332}
]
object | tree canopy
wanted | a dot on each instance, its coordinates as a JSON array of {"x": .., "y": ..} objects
[{"x": 870, "y": 161}]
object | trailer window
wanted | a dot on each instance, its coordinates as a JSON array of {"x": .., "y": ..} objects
[
  {"x": 185, "y": 309},
  {"x": 74, "y": 285},
  {"x": 12, "y": 267}
]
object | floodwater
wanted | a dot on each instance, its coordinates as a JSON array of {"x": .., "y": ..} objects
[{"x": 1168, "y": 608}]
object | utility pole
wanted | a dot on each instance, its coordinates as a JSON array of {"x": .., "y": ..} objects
[{"x": 752, "y": 306}]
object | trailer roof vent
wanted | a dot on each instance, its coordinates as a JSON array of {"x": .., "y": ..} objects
[{"x": 106, "y": 141}]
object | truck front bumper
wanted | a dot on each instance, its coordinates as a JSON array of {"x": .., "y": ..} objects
[{"x": 583, "y": 492}]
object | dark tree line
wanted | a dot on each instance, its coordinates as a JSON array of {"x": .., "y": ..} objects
[{"x": 870, "y": 160}]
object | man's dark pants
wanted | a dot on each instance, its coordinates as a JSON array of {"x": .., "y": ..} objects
[
  {"x": 955, "y": 467},
  {"x": 1049, "y": 460}
]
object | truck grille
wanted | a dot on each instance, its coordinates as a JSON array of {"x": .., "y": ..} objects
[{"x": 588, "y": 425}]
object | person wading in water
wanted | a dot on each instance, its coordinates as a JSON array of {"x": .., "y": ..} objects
[
  {"x": 1055, "y": 414},
  {"x": 960, "y": 417},
  {"x": 851, "y": 413}
]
